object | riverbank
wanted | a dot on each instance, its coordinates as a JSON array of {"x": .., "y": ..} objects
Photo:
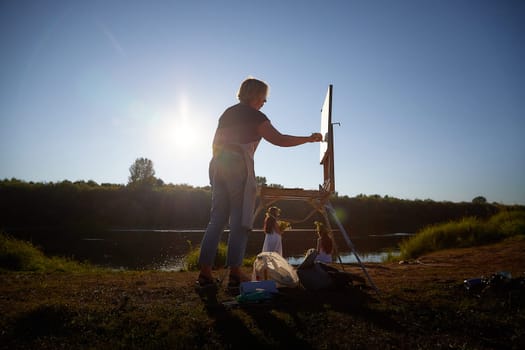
[
  {"x": 166, "y": 249},
  {"x": 421, "y": 304}
]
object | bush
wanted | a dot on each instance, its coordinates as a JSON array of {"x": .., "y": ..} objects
[
  {"x": 191, "y": 261},
  {"x": 508, "y": 222},
  {"x": 466, "y": 232},
  {"x": 17, "y": 255}
]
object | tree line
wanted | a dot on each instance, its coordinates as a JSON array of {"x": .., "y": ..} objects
[{"x": 89, "y": 205}]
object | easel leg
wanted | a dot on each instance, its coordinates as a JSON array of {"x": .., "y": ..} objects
[
  {"x": 327, "y": 222},
  {"x": 331, "y": 209}
]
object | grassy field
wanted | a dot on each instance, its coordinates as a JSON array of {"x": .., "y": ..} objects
[{"x": 422, "y": 303}]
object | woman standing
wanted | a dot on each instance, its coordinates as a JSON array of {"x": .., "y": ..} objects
[{"x": 232, "y": 177}]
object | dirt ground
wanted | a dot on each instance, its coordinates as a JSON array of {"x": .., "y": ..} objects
[{"x": 420, "y": 304}]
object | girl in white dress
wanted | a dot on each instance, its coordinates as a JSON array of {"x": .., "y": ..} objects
[{"x": 272, "y": 237}]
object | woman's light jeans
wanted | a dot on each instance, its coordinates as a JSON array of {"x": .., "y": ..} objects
[{"x": 227, "y": 179}]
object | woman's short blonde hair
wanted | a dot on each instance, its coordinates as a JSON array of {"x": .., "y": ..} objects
[{"x": 251, "y": 89}]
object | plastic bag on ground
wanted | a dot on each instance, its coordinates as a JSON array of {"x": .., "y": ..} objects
[{"x": 272, "y": 266}]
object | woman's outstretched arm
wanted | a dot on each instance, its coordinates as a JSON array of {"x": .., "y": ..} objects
[{"x": 272, "y": 135}]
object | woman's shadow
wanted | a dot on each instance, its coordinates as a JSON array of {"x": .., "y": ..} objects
[{"x": 263, "y": 323}]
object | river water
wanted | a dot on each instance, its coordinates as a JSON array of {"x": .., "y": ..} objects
[{"x": 166, "y": 249}]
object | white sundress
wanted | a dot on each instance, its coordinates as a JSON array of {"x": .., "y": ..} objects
[{"x": 273, "y": 243}]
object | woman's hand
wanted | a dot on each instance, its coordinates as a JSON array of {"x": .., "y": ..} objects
[{"x": 316, "y": 137}]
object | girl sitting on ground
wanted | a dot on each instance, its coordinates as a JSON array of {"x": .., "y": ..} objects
[{"x": 324, "y": 244}]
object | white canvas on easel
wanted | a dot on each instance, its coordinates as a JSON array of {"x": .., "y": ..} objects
[
  {"x": 325, "y": 121},
  {"x": 326, "y": 156}
]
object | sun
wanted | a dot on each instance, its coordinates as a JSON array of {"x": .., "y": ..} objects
[
  {"x": 176, "y": 135},
  {"x": 184, "y": 134},
  {"x": 178, "y": 131},
  {"x": 181, "y": 132}
]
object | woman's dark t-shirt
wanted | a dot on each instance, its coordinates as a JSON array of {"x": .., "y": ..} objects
[{"x": 238, "y": 125}]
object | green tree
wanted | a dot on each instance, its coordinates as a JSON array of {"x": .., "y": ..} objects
[
  {"x": 479, "y": 200},
  {"x": 261, "y": 181},
  {"x": 142, "y": 173},
  {"x": 276, "y": 186}
]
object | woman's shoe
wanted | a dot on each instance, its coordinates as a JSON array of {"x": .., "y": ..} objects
[
  {"x": 204, "y": 282},
  {"x": 234, "y": 281},
  {"x": 206, "y": 288}
]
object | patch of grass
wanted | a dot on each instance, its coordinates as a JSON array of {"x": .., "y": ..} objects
[
  {"x": 248, "y": 261},
  {"x": 44, "y": 320},
  {"x": 191, "y": 260},
  {"x": 508, "y": 223},
  {"x": 466, "y": 232},
  {"x": 18, "y": 255}
]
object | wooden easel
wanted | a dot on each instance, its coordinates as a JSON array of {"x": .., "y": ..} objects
[{"x": 317, "y": 199}]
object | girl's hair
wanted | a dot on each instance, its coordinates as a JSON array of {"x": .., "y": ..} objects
[
  {"x": 270, "y": 219},
  {"x": 251, "y": 89}
]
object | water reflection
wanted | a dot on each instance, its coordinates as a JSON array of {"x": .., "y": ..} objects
[
  {"x": 165, "y": 249},
  {"x": 349, "y": 258}
]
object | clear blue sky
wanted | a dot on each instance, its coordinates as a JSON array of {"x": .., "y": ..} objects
[{"x": 430, "y": 94}]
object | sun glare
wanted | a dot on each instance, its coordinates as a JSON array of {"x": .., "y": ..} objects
[
  {"x": 177, "y": 136},
  {"x": 179, "y": 132},
  {"x": 183, "y": 134}
]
